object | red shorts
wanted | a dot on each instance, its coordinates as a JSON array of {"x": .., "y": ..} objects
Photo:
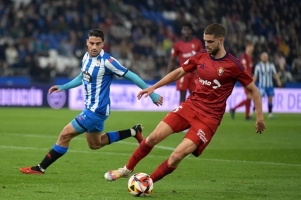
[
  {"x": 201, "y": 128},
  {"x": 187, "y": 82}
]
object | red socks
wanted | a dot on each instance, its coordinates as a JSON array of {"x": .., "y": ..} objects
[
  {"x": 161, "y": 171},
  {"x": 242, "y": 103},
  {"x": 248, "y": 107},
  {"x": 142, "y": 151},
  {"x": 247, "y": 103}
]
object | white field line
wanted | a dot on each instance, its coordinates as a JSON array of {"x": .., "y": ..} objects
[{"x": 126, "y": 154}]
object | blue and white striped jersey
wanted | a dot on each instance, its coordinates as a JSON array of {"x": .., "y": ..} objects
[
  {"x": 264, "y": 73},
  {"x": 98, "y": 73}
]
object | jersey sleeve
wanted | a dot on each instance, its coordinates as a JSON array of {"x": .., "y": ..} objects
[
  {"x": 241, "y": 74},
  {"x": 115, "y": 67},
  {"x": 191, "y": 64}
]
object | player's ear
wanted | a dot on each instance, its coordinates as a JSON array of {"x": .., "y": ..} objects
[{"x": 221, "y": 40}]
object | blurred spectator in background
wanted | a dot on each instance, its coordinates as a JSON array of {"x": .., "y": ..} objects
[
  {"x": 144, "y": 29},
  {"x": 283, "y": 69},
  {"x": 181, "y": 51},
  {"x": 246, "y": 60}
]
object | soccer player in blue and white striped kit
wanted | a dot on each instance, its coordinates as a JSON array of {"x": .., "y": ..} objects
[
  {"x": 97, "y": 72},
  {"x": 264, "y": 72}
]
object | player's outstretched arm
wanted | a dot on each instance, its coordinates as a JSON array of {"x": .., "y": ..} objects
[
  {"x": 169, "y": 78},
  {"x": 77, "y": 81},
  {"x": 157, "y": 99},
  {"x": 260, "y": 125}
]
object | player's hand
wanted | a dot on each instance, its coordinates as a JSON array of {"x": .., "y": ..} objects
[
  {"x": 146, "y": 92},
  {"x": 157, "y": 99},
  {"x": 159, "y": 102},
  {"x": 54, "y": 89},
  {"x": 260, "y": 126}
]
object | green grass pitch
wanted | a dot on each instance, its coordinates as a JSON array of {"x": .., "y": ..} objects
[{"x": 238, "y": 164}]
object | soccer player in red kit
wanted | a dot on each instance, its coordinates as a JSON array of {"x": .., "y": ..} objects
[
  {"x": 183, "y": 49},
  {"x": 203, "y": 110},
  {"x": 246, "y": 60}
]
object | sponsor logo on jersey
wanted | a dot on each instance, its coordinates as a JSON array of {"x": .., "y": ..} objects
[
  {"x": 205, "y": 82},
  {"x": 216, "y": 85},
  {"x": 187, "y": 55},
  {"x": 87, "y": 77}
]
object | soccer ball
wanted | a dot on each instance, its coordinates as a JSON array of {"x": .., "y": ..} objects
[{"x": 140, "y": 184}]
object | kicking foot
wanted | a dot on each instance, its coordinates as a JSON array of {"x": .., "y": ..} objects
[
  {"x": 138, "y": 136},
  {"x": 113, "y": 175},
  {"x": 32, "y": 170},
  {"x": 232, "y": 113}
]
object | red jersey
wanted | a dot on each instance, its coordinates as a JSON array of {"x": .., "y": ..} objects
[
  {"x": 217, "y": 78},
  {"x": 246, "y": 60},
  {"x": 185, "y": 49}
]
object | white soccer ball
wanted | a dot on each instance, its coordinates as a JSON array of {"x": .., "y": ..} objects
[{"x": 140, "y": 184}]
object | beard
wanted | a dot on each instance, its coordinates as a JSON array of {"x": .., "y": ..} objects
[{"x": 214, "y": 51}]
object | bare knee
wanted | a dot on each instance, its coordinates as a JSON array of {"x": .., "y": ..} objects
[
  {"x": 161, "y": 132},
  {"x": 94, "y": 146},
  {"x": 175, "y": 158},
  {"x": 153, "y": 138}
]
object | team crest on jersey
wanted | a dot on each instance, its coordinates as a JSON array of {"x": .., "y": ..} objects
[{"x": 220, "y": 71}]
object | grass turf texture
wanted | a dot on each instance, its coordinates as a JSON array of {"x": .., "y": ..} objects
[{"x": 238, "y": 164}]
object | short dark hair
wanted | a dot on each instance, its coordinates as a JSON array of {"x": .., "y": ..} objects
[
  {"x": 217, "y": 30},
  {"x": 187, "y": 24},
  {"x": 96, "y": 33},
  {"x": 248, "y": 43}
]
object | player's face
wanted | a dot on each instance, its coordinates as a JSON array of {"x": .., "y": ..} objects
[
  {"x": 212, "y": 44},
  {"x": 186, "y": 31},
  {"x": 264, "y": 57},
  {"x": 250, "y": 48},
  {"x": 95, "y": 45}
]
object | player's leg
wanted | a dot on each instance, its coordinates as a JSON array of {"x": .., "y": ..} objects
[
  {"x": 170, "y": 124},
  {"x": 262, "y": 92},
  {"x": 248, "y": 106},
  {"x": 240, "y": 104},
  {"x": 270, "y": 94},
  {"x": 182, "y": 87},
  {"x": 168, "y": 166},
  {"x": 96, "y": 139},
  {"x": 59, "y": 149},
  {"x": 195, "y": 142}
]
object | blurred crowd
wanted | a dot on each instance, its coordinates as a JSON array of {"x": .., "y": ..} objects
[{"x": 45, "y": 38}]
